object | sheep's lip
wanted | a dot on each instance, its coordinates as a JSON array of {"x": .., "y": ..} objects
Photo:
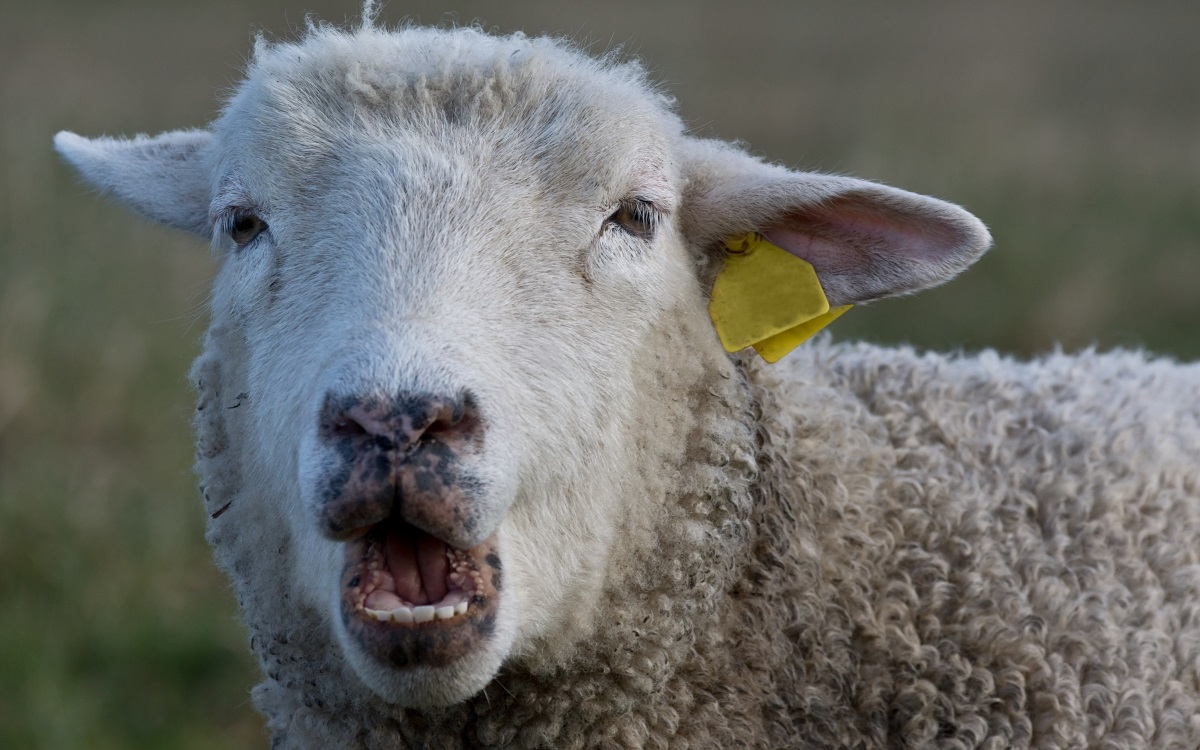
[{"x": 403, "y": 642}]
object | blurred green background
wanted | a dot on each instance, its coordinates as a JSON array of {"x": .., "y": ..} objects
[{"x": 1072, "y": 129}]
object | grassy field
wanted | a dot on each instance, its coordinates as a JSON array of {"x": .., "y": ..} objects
[{"x": 1072, "y": 130}]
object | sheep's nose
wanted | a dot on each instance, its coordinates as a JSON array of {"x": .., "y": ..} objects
[
  {"x": 399, "y": 424},
  {"x": 401, "y": 458}
]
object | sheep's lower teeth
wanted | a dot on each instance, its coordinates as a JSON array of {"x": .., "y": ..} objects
[{"x": 417, "y": 614}]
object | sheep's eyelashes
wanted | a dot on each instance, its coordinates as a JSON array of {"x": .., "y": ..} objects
[
  {"x": 634, "y": 216},
  {"x": 245, "y": 228}
]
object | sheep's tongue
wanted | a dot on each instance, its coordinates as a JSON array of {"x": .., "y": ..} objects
[{"x": 417, "y": 562}]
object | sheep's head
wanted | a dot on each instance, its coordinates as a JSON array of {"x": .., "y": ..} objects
[{"x": 443, "y": 254}]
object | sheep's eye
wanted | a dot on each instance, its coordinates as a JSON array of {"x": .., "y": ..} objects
[
  {"x": 635, "y": 216},
  {"x": 245, "y": 227}
]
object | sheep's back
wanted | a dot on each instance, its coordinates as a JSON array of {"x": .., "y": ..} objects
[{"x": 1008, "y": 550}]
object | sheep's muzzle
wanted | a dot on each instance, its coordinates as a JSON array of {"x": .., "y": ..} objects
[{"x": 420, "y": 582}]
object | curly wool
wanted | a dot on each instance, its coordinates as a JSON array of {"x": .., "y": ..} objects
[
  {"x": 1008, "y": 550},
  {"x": 866, "y": 547}
]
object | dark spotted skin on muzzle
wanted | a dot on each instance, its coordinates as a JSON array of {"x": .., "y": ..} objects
[
  {"x": 402, "y": 458},
  {"x": 360, "y": 494},
  {"x": 436, "y": 496}
]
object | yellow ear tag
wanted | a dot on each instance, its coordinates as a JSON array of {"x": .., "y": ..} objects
[{"x": 767, "y": 298}]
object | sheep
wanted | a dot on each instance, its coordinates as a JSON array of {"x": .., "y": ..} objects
[{"x": 483, "y": 474}]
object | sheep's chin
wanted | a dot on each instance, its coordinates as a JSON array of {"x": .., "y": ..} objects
[
  {"x": 419, "y": 649},
  {"x": 426, "y": 687}
]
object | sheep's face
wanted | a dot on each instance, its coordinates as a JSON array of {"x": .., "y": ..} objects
[
  {"x": 439, "y": 299},
  {"x": 462, "y": 308}
]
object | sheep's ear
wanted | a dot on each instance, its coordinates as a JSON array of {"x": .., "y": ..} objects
[
  {"x": 164, "y": 178},
  {"x": 864, "y": 240}
]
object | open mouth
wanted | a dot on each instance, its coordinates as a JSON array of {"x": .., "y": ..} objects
[
  {"x": 410, "y": 576},
  {"x": 409, "y": 598}
]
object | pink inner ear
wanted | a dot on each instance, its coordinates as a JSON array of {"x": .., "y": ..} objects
[
  {"x": 846, "y": 235},
  {"x": 826, "y": 256}
]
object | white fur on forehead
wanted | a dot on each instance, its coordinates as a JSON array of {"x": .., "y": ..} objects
[{"x": 371, "y": 68}]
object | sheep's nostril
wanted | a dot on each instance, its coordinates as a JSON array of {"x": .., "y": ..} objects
[
  {"x": 345, "y": 427},
  {"x": 457, "y": 431},
  {"x": 354, "y": 420},
  {"x": 457, "y": 423}
]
